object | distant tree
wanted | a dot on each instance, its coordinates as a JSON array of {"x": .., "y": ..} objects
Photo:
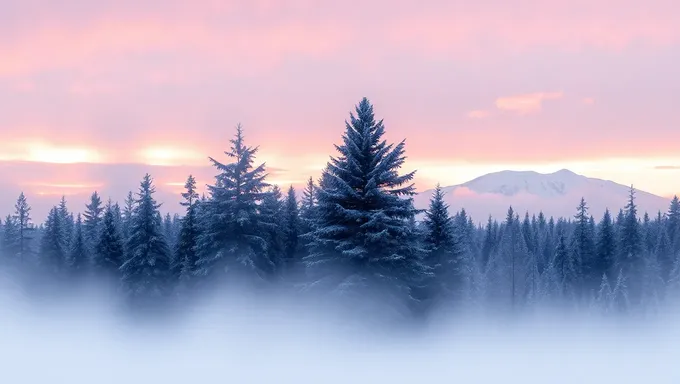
[
  {"x": 53, "y": 250},
  {"x": 22, "y": 218},
  {"x": 308, "y": 211},
  {"x": 291, "y": 230},
  {"x": 92, "y": 219},
  {"x": 444, "y": 249},
  {"x": 66, "y": 219},
  {"x": 126, "y": 214},
  {"x": 604, "y": 295},
  {"x": 584, "y": 247},
  {"x": 606, "y": 246},
  {"x": 231, "y": 238},
  {"x": 186, "y": 253},
  {"x": 10, "y": 245},
  {"x": 109, "y": 251},
  {"x": 146, "y": 271},
  {"x": 78, "y": 257}
]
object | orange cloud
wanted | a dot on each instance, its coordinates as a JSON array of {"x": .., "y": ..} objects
[{"x": 527, "y": 103}]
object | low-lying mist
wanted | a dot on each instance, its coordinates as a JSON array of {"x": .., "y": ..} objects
[{"x": 245, "y": 338}]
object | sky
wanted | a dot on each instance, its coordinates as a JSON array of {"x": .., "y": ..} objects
[{"x": 94, "y": 95}]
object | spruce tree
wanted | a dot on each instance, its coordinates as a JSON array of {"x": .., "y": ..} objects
[
  {"x": 109, "y": 251},
  {"x": 67, "y": 220},
  {"x": 362, "y": 241},
  {"x": 606, "y": 247},
  {"x": 291, "y": 230},
  {"x": 22, "y": 218},
  {"x": 10, "y": 239},
  {"x": 53, "y": 250},
  {"x": 92, "y": 220},
  {"x": 186, "y": 253},
  {"x": 232, "y": 238},
  {"x": 673, "y": 224},
  {"x": 78, "y": 257},
  {"x": 630, "y": 257},
  {"x": 127, "y": 215},
  {"x": 604, "y": 295},
  {"x": 146, "y": 270},
  {"x": 271, "y": 218},
  {"x": 308, "y": 209},
  {"x": 584, "y": 247},
  {"x": 444, "y": 249}
]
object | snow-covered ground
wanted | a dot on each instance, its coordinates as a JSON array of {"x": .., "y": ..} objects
[
  {"x": 556, "y": 194},
  {"x": 246, "y": 341}
]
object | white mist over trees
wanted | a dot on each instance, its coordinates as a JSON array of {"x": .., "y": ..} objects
[{"x": 352, "y": 236}]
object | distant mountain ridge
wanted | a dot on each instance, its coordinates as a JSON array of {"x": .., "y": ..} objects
[{"x": 556, "y": 194}]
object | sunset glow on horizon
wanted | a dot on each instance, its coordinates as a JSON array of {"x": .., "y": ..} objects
[{"x": 94, "y": 96}]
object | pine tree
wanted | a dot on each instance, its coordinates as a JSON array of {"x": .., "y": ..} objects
[
  {"x": 291, "y": 230},
  {"x": 53, "y": 250},
  {"x": 565, "y": 266},
  {"x": 22, "y": 217},
  {"x": 66, "y": 219},
  {"x": 630, "y": 258},
  {"x": 361, "y": 238},
  {"x": 664, "y": 253},
  {"x": 10, "y": 239},
  {"x": 186, "y": 253},
  {"x": 146, "y": 271},
  {"x": 92, "y": 220},
  {"x": 673, "y": 224},
  {"x": 604, "y": 295},
  {"x": 78, "y": 257},
  {"x": 620, "y": 301},
  {"x": 127, "y": 215},
  {"x": 308, "y": 209},
  {"x": 271, "y": 217},
  {"x": 606, "y": 246},
  {"x": 109, "y": 251},
  {"x": 444, "y": 248},
  {"x": 231, "y": 238},
  {"x": 584, "y": 246}
]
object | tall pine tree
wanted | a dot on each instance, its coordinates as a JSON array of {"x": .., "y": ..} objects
[
  {"x": 146, "y": 271},
  {"x": 232, "y": 237},
  {"x": 362, "y": 241}
]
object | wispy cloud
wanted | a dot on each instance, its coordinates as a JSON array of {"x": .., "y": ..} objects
[
  {"x": 667, "y": 167},
  {"x": 527, "y": 103},
  {"x": 588, "y": 100}
]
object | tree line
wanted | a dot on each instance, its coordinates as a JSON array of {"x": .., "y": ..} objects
[{"x": 353, "y": 233}]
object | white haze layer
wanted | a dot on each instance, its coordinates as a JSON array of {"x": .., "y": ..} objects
[{"x": 244, "y": 340}]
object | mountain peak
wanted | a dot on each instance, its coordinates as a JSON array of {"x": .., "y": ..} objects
[
  {"x": 511, "y": 183},
  {"x": 556, "y": 194}
]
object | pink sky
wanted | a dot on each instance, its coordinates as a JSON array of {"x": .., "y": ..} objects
[{"x": 474, "y": 87}]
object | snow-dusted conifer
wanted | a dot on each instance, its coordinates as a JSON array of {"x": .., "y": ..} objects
[
  {"x": 606, "y": 247},
  {"x": 186, "y": 253},
  {"x": 145, "y": 272},
  {"x": 444, "y": 249},
  {"x": 362, "y": 242},
  {"x": 604, "y": 295},
  {"x": 620, "y": 301},
  {"x": 109, "y": 250},
  {"x": 291, "y": 230},
  {"x": 53, "y": 250},
  {"x": 92, "y": 218},
  {"x": 78, "y": 257},
  {"x": 22, "y": 218},
  {"x": 231, "y": 238}
]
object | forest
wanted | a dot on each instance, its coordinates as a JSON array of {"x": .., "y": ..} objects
[{"x": 352, "y": 234}]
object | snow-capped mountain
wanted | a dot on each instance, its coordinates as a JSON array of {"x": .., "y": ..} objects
[{"x": 556, "y": 194}]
